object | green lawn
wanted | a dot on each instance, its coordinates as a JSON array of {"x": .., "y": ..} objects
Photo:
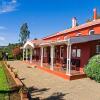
[
  {"x": 3, "y": 80},
  {"x": 3, "y": 84}
]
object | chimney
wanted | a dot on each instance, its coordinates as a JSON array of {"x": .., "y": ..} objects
[
  {"x": 74, "y": 22},
  {"x": 94, "y": 14}
]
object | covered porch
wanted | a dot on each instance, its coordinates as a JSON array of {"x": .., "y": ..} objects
[
  {"x": 53, "y": 57},
  {"x": 58, "y": 56}
]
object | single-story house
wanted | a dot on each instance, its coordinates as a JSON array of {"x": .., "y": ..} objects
[{"x": 65, "y": 52}]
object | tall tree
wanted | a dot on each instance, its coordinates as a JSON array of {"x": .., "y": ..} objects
[{"x": 24, "y": 33}]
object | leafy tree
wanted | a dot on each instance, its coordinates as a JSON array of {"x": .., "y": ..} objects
[
  {"x": 35, "y": 39},
  {"x": 24, "y": 33},
  {"x": 88, "y": 20},
  {"x": 77, "y": 24},
  {"x": 17, "y": 52},
  {"x": 9, "y": 49}
]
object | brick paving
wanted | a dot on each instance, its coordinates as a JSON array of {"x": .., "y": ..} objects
[{"x": 51, "y": 87}]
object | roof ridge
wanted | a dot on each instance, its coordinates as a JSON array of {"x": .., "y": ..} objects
[{"x": 84, "y": 25}]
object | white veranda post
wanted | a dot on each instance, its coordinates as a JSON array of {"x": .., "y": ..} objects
[
  {"x": 52, "y": 57},
  {"x": 41, "y": 56},
  {"x": 68, "y": 69},
  {"x": 23, "y": 53},
  {"x": 26, "y": 54},
  {"x": 31, "y": 53}
]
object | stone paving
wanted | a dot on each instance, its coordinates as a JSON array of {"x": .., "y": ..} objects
[{"x": 50, "y": 87}]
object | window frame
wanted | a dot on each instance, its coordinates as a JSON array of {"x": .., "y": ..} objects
[
  {"x": 91, "y": 31},
  {"x": 76, "y": 53},
  {"x": 78, "y": 34},
  {"x": 97, "y": 48}
]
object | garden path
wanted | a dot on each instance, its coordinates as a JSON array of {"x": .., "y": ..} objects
[{"x": 51, "y": 87}]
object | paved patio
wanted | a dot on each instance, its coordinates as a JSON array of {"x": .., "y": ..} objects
[{"x": 51, "y": 87}]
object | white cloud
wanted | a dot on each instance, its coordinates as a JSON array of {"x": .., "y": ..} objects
[
  {"x": 2, "y": 28},
  {"x": 7, "y": 6},
  {"x": 14, "y": 1},
  {"x": 2, "y": 38}
]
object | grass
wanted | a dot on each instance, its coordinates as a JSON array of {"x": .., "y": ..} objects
[
  {"x": 3, "y": 80},
  {"x": 7, "y": 84},
  {"x": 3, "y": 84},
  {"x": 4, "y": 97}
]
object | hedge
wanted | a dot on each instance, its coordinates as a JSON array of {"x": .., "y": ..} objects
[{"x": 92, "y": 69}]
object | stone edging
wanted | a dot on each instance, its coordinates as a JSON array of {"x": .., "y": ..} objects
[{"x": 17, "y": 81}]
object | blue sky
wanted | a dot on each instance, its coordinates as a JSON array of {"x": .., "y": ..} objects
[{"x": 44, "y": 17}]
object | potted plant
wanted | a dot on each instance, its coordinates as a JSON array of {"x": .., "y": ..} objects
[{"x": 8, "y": 66}]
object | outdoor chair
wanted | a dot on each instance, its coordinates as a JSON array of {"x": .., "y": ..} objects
[{"x": 75, "y": 64}]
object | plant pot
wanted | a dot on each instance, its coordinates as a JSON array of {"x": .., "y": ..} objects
[
  {"x": 8, "y": 66},
  {"x": 16, "y": 75}
]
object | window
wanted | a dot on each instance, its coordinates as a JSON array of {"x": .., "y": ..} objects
[
  {"x": 97, "y": 48},
  {"x": 91, "y": 32},
  {"x": 76, "y": 52},
  {"x": 73, "y": 52}
]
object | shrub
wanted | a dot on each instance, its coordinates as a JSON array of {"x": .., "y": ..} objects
[
  {"x": 92, "y": 69},
  {"x": 10, "y": 56},
  {"x": 17, "y": 53}
]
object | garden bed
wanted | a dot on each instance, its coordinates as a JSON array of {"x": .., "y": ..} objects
[{"x": 8, "y": 89}]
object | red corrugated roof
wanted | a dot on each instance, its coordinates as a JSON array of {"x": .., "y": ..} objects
[
  {"x": 88, "y": 24},
  {"x": 38, "y": 41}
]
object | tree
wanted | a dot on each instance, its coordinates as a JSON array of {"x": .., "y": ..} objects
[
  {"x": 35, "y": 39},
  {"x": 88, "y": 20},
  {"x": 17, "y": 52},
  {"x": 24, "y": 33}
]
